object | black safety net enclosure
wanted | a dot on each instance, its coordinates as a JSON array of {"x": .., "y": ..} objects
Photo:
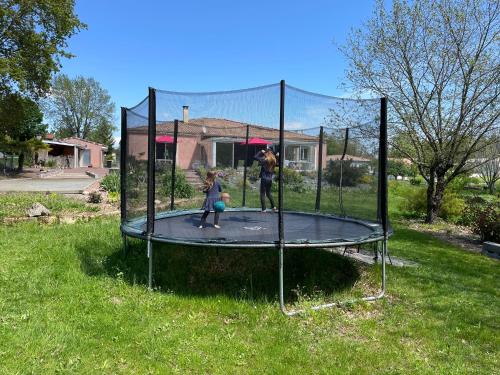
[{"x": 293, "y": 168}]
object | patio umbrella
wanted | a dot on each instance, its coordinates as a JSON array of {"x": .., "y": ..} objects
[
  {"x": 257, "y": 142},
  {"x": 164, "y": 139}
]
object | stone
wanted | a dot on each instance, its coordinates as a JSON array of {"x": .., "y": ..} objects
[
  {"x": 38, "y": 209},
  {"x": 491, "y": 249}
]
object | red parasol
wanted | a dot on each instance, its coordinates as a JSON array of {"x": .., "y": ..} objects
[
  {"x": 164, "y": 139},
  {"x": 257, "y": 142}
]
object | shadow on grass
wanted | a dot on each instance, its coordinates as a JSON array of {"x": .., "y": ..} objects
[{"x": 239, "y": 273}]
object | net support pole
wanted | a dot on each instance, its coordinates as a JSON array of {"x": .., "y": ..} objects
[
  {"x": 341, "y": 197},
  {"x": 123, "y": 160},
  {"x": 383, "y": 182},
  {"x": 174, "y": 162},
  {"x": 320, "y": 169},
  {"x": 123, "y": 174},
  {"x": 151, "y": 160},
  {"x": 245, "y": 168},
  {"x": 281, "y": 227},
  {"x": 151, "y": 179}
]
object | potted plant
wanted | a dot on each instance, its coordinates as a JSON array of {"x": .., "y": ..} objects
[{"x": 109, "y": 160}]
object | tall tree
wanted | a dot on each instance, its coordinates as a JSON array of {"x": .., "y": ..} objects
[
  {"x": 33, "y": 38},
  {"x": 20, "y": 125},
  {"x": 438, "y": 62},
  {"x": 81, "y": 107}
]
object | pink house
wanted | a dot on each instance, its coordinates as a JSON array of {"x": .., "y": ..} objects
[
  {"x": 74, "y": 152},
  {"x": 90, "y": 154},
  {"x": 212, "y": 142}
]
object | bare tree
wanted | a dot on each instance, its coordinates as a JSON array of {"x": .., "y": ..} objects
[
  {"x": 438, "y": 62},
  {"x": 489, "y": 170}
]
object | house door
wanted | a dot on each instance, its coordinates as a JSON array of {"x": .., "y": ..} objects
[
  {"x": 85, "y": 158},
  {"x": 224, "y": 155}
]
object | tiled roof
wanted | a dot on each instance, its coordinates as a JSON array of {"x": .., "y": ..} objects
[
  {"x": 212, "y": 127},
  {"x": 82, "y": 140}
]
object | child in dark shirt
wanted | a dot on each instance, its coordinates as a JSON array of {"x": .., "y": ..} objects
[
  {"x": 267, "y": 161},
  {"x": 212, "y": 189}
]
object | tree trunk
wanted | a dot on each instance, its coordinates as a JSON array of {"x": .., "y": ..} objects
[
  {"x": 491, "y": 187},
  {"x": 435, "y": 195},
  {"x": 20, "y": 162}
]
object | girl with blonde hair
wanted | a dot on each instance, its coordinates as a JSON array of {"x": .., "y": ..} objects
[{"x": 267, "y": 161}]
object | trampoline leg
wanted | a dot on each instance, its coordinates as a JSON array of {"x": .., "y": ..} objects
[
  {"x": 376, "y": 249},
  {"x": 282, "y": 294},
  {"x": 384, "y": 251},
  {"x": 125, "y": 244},
  {"x": 388, "y": 255},
  {"x": 150, "y": 268}
]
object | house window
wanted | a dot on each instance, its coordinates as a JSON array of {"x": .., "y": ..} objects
[
  {"x": 291, "y": 153},
  {"x": 164, "y": 151},
  {"x": 305, "y": 153}
]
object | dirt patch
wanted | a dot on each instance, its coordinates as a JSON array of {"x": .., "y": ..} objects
[{"x": 455, "y": 234}]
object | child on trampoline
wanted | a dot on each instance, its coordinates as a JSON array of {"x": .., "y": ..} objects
[
  {"x": 212, "y": 189},
  {"x": 267, "y": 161}
]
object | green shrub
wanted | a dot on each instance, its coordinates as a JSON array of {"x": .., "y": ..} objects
[
  {"x": 452, "y": 207},
  {"x": 458, "y": 184},
  {"x": 473, "y": 205},
  {"x": 182, "y": 188},
  {"x": 292, "y": 177},
  {"x": 111, "y": 182},
  {"x": 417, "y": 180},
  {"x": 351, "y": 175},
  {"x": 292, "y": 180},
  {"x": 253, "y": 172},
  {"x": 136, "y": 174},
  {"x": 414, "y": 202},
  {"x": 484, "y": 219},
  {"x": 113, "y": 197},
  {"x": 366, "y": 179},
  {"x": 309, "y": 174},
  {"x": 51, "y": 163}
]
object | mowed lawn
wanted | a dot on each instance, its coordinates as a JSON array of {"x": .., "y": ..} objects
[{"x": 71, "y": 303}]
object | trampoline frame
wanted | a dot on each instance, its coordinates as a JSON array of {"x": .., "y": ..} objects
[{"x": 148, "y": 235}]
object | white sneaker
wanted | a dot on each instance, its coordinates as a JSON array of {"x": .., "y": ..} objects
[
  {"x": 217, "y": 226},
  {"x": 201, "y": 227}
]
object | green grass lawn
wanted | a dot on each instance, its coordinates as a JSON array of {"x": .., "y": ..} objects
[{"x": 70, "y": 303}]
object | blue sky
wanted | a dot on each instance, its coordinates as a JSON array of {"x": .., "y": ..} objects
[{"x": 211, "y": 45}]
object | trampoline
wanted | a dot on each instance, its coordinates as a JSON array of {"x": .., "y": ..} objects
[
  {"x": 252, "y": 228},
  {"x": 331, "y": 172}
]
